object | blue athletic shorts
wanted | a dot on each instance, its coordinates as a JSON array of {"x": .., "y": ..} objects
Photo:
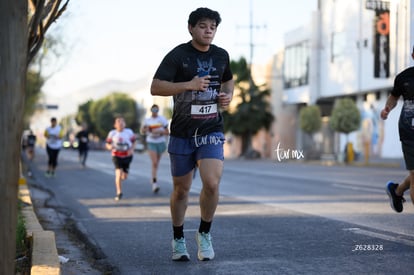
[
  {"x": 159, "y": 147},
  {"x": 185, "y": 152}
]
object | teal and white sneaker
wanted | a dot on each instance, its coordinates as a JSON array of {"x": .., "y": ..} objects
[
  {"x": 180, "y": 250},
  {"x": 205, "y": 247}
]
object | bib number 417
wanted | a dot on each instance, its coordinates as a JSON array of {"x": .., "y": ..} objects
[{"x": 203, "y": 110}]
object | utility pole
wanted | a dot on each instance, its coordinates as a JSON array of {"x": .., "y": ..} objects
[
  {"x": 251, "y": 28},
  {"x": 252, "y": 45}
]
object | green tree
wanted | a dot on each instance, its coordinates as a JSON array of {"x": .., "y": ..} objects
[
  {"x": 34, "y": 83},
  {"x": 51, "y": 47},
  {"x": 67, "y": 123},
  {"x": 310, "y": 122},
  {"x": 22, "y": 34},
  {"x": 310, "y": 119},
  {"x": 104, "y": 111},
  {"x": 84, "y": 116},
  {"x": 252, "y": 113},
  {"x": 345, "y": 117}
]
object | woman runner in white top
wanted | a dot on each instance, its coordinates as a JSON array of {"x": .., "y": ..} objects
[{"x": 156, "y": 131}]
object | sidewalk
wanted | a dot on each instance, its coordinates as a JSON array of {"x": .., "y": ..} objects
[
  {"x": 44, "y": 256},
  {"x": 373, "y": 162},
  {"x": 382, "y": 162}
]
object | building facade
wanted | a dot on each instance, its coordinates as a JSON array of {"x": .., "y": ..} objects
[{"x": 350, "y": 49}]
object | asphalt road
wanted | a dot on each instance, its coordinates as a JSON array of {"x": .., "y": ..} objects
[{"x": 273, "y": 218}]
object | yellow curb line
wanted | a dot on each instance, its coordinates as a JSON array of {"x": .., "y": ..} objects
[{"x": 45, "y": 259}]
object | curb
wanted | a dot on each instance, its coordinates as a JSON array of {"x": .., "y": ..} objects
[
  {"x": 45, "y": 259},
  {"x": 375, "y": 164}
]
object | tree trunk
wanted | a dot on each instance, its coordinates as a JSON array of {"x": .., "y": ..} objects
[
  {"x": 245, "y": 144},
  {"x": 247, "y": 150},
  {"x": 13, "y": 56}
]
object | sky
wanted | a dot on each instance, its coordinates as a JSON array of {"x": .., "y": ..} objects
[{"x": 127, "y": 39}]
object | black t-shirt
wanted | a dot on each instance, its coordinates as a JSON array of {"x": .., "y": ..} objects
[
  {"x": 404, "y": 86},
  {"x": 196, "y": 112},
  {"x": 83, "y": 139},
  {"x": 31, "y": 140}
]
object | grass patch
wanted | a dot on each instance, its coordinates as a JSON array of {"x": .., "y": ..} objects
[{"x": 22, "y": 256}]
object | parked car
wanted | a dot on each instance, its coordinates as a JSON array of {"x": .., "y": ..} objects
[
  {"x": 69, "y": 144},
  {"x": 140, "y": 145}
]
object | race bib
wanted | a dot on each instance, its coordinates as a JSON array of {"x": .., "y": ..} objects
[
  {"x": 204, "y": 104},
  {"x": 121, "y": 147},
  {"x": 204, "y": 111}
]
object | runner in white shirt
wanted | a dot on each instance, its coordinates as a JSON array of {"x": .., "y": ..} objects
[
  {"x": 53, "y": 135},
  {"x": 121, "y": 142},
  {"x": 156, "y": 129}
]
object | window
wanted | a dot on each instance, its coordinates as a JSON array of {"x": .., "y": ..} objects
[
  {"x": 338, "y": 45},
  {"x": 296, "y": 65}
]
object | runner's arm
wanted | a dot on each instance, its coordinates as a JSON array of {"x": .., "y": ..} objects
[
  {"x": 389, "y": 105},
  {"x": 167, "y": 88},
  {"x": 228, "y": 88},
  {"x": 226, "y": 93},
  {"x": 134, "y": 143}
]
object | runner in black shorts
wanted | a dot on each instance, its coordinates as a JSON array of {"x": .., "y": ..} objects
[
  {"x": 403, "y": 86},
  {"x": 122, "y": 163},
  {"x": 197, "y": 74},
  {"x": 121, "y": 142}
]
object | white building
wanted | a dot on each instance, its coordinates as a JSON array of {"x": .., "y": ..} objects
[{"x": 351, "y": 48}]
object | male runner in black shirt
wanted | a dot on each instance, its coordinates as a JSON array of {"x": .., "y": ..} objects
[
  {"x": 403, "y": 86},
  {"x": 197, "y": 74}
]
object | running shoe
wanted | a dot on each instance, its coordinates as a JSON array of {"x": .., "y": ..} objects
[
  {"x": 396, "y": 201},
  {"x": 155, "y": 188},
  {"x": 118, "y": 197},
  {"x": 205, "y": 247},
  {"x": 180, "y": 250},
  {"x": 48, "y": 174}
]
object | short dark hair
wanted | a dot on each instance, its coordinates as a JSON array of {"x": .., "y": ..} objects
[{"x": 202, "y": 13}]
